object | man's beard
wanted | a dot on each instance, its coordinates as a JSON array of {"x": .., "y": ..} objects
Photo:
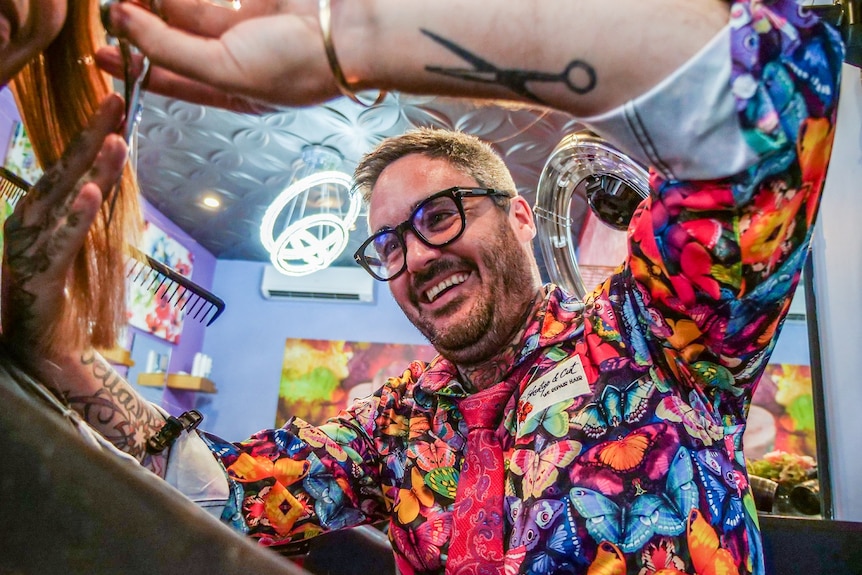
[{"x": 497, "y": 317}]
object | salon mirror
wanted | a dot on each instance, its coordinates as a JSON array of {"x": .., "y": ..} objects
[{"x": 587, "y": 190}]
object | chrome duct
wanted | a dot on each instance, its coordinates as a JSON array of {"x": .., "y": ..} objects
[{"x": 584, "y": 171}]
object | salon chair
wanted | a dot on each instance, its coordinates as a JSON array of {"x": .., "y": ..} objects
[{"x": 68, "y": 508}]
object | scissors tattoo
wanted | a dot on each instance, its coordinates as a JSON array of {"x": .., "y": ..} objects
[{"x": 578, "y": 76}]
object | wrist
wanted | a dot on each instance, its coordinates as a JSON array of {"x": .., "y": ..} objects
[
  {"x": 352, "y": 27},
  {"x": 338, "y": 76}
]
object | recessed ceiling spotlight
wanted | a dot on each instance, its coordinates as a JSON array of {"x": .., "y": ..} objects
[{"x": 211, "y": 201}]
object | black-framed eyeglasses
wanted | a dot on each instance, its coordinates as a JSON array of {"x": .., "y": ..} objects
[{"x": 437, "y": 221}]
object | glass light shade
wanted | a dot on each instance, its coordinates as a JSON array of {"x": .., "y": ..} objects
[{"x": 310, "y": 242}]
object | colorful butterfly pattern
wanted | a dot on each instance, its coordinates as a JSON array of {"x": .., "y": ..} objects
[
  {"x": 547, "y": 535},
  {"x": 539, "y": 470},
  {"x": 615, "y": 407},
  {"x": 639, "y": 469},
  {"x": 723, "y": 492},
  {"x": 630, "y": 525},
  {"x": 528, "y": 524},
  {"x": 420, "y": 548}
]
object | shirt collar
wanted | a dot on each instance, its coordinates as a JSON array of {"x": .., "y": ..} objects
[{"x": 558, "y": 319}]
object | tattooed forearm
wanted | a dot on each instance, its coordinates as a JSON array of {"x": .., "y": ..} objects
[
  {"x": 116, "y": 387},
  {"x": 115, "y": 410},
  {"x": 578, "y": 76}
]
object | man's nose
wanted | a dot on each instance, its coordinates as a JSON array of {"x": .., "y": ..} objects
[{"x": 419, "y": 254}]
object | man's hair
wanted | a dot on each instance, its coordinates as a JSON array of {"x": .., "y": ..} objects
[{"x": 466, "y": 153}]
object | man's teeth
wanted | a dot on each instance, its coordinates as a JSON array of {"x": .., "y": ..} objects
[{"x": 432, "y": 293}]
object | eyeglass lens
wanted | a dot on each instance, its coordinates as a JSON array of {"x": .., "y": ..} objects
[{"x": 436, "y": 221}]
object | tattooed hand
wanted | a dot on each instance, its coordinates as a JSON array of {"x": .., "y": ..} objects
[
  {"x": 48, "y": 228},
  {"x": 41, "y": 240}
]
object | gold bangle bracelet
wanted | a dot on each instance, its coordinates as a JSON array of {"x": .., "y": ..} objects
[{"x": 334, "y": 66}]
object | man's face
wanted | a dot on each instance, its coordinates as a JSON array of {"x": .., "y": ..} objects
[
  {"x": 469, "y": 297},
  {"x": 26, "y": 28}
]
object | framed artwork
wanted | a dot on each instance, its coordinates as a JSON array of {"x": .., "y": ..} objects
[
  {"x": 319, "y": 378},
  {"x": 151, "y": 309},
  {"x": 21, "y": 161},
  {"x": 782, "y": 413},
  {"x": 20, "y": 158}
]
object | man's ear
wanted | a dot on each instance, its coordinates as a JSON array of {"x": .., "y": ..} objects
[{"x": 521, "y": 218}]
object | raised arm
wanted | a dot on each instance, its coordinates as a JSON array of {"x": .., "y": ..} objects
[
  {"x": 41, "y": 239},
  {"x": 601, "y": 54}
]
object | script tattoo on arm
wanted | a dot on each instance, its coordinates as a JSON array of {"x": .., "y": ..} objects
[
  {"x": 578, "y": 76},
  {"x": 115, "y": 410}
]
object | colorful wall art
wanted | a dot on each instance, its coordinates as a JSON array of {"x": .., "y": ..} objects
[
  {"x": 319, "y": 378},
  {"x": 20, "y": 158},
  {"x": 147, "y": 308},
  {"x": 782, "y": 413}
]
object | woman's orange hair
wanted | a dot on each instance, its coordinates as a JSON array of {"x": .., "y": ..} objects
[{"x": 57, "y": 93}]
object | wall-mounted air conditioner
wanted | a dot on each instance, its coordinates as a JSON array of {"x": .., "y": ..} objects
[{"x": 329, "y": 284}]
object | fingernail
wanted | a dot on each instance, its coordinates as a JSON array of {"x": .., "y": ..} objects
[
  {"x": 112, "y": 103},
  {"x": 114, "y": 19}
]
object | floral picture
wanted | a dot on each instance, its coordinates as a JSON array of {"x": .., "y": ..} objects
[
  {"x": 319, "y": 378},
  {"x": 151, "y": 307},
  {"x": 20, "y": 158},
  {"x": 782, "y": 413}
]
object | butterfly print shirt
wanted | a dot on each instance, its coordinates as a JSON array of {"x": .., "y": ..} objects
[{"x": 622, "y": 439}]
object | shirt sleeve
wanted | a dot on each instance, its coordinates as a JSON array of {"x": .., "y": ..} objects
[
  {"x": 194, "y": 471},
  {"x": 715, "y": 262},
  {"x": 286, "y": 485},
  {"x": 687, "y": 126}
]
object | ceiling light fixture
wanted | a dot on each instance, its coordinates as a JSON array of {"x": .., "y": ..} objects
[{"x": 307, "y": 226}]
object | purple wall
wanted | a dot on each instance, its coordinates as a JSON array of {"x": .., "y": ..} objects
[
  {"x": 192, "y": 338},
  {"x": 247, "y": 343},
  {"x": 8, "y": 116}
]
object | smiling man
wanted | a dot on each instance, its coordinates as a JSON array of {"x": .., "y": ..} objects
[{"x": 447, "y": 276}]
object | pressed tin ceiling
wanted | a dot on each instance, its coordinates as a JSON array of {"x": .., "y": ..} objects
[{"x": 186, "y": 151}]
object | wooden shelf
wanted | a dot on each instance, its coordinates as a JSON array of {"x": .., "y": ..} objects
[
  {"x": 152, "y": 379},
  {"x": 177, "y": 381},
  {"x": 190, "y": 382},
  {"x": 117, "y": 356}
]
